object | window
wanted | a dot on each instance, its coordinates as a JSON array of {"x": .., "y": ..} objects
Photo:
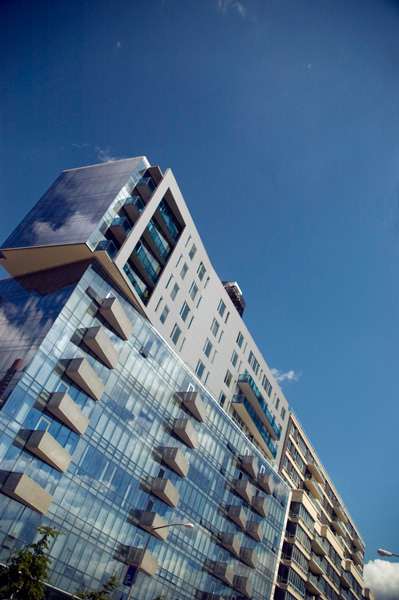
[
  {"x": 179, "y": 259},
  {"x": 206, "y": 282},
  {"x": 183, "y": 271},
  {"x": 227, "y": 317},
  {"x": 193, "y": 290},
  {"x": 222, "y": 398},
  {"x": 192, "y": 252},
  {"x": 199, "y": 301},
  {"x": 185, "y": 309},
  {"x": 277, "y": 402},
  {"x": 188, "y": 239},
  {"x": 283, "y": 413},
  {"x": 214, "y": 327},
  {"x": 174, "y": 291},
  {"x": 234, "y": 358},
  {"x": 228, "y": 378},
  {"x": 240, "y": 339},
  {"x": 158, "y": 303},
  {"x": 191, "y": 320},
  {"x": 201, "y": 271},
  {"x": 169, "y": 280},
  {"x": 253, "y": 362},
  {"x": 221, "y": 335},
  {"x": 176, "y": 331},
  {"x": 200, "y": 369},
  {"x": 267, "y": 386},
  {"x": 221, "y": 308},
  {"x": 207, "y": 347},
  {"x": 164, "y": 314}
]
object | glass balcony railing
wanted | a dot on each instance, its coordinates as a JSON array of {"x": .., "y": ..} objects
[
  {"x": 135, "y": 201},
  {"x": 257, "y": 422},
  {"x": 123, "y": 223},
  {"x": 170, "y": 224},
  {"x": 146, "y": 185},
  {"x": 147, "y": 265},
  {"x": 317, "y": 489},
  {"x": 163, "y": 251},
  {"x": 142, "y": 291},
  {"x": 109, "y": 247},
  {"x": 248, "y": 379}
]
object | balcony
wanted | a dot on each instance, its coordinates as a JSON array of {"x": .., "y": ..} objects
[
  {"x": 319, "y": 545},
  {"x": 224, "y": 572},
  {"x": 261, "y": 505},
  {"x": 237, "y": 515},
  {"x": 249, "y": 557},
  {"x": 251, "y": 392},
  {"x": 193, "y": 403},
  {"x": 249, "y": 464},
  {"x": 175, "y": 459},
  {"x": 145, "y": 187},
  {"x": 148, "y": 564},
  {"x": 339, "y": 511},
  {"x": 314, "y": 586},
  {"x": 231, "y": 542},
  {"x": 345, "y": 580},
  {"x": 357, "y": 542},
  {"x": 345, "y": 595},
  {"x": 133, "y": 207},
  {"x": 316, "y": 564},
  {"x": 107, "y": 246},
  {"x": 243, "y": 585},
  {"x": 255, "y": 530},
  {"x": 313, "y": 468},
  {"x": 338, "y": 526},
  {"x": 26, "y": 491},
  {"x": 68, "y": 412},
  {"x": 99, "y": 343},
  {"x": 313, "y": 487},
  {"x": 45, "y": 447},
  {"x": 266, "y": 482},
  {"x": 120, "y": 229},
  {"x": 247, "y": 413},
  {"x": 185, "y": 431},
  {"x": 112, "y": 311},
  {"x": 83, "y": 375},
  {"x": 141, "y": 288},
  {"x": 244, "y": 489},
  {"x": 165, "y": 491},
  {"x": 357, "y": 557},
  {"x": 150, "y": 267},
  {"x": 149, "y": 520},
  {"x": 157, "y": 244},
  {"x": 171, "y": 225}
]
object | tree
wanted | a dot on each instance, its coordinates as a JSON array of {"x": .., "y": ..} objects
[
  {"x": 104, "y": 593},
  {"x": 27, "y": 569}
]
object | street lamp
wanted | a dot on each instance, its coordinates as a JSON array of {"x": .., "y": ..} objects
[
  {"x": 152, "y": 529},
  {"x": 386, "y": 553}
]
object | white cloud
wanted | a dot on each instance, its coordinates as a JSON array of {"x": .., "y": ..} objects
[
  {"x": 104, "y": 155},
  {"x": 225, "y": 5},
  {"x": 282, "y": 376},
  {"x": 382, "y": 577}
]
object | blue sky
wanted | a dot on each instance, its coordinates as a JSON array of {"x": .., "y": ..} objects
[{"x": 280, "y": 121}]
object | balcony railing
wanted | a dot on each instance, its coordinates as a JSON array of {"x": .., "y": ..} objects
[
  {"x": 143, "y": 293},
  {"x": 143, "y": 258},
  {"x": 109, "y": 247},
  {"x": 274, "y": 427},
  {"x": 313, "y": 486},
  {"x": 257, "y": 422},
  {"x": 135, "y": 201},
  {"x": 163, "y": 251}
]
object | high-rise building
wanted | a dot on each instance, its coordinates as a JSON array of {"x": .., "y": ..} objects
[
  {"x": 323, "y": 552},
  {"x": 133, "y": 396},
  {"x": 106, "y": 434}
]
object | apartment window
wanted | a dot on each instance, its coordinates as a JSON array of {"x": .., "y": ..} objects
[
  {"x": 206, "y": 378},
  {"x": 188, "y": 239},
  {"x": 221, "y": 308},
  {"x": 179, "y": 259},
  {"x": 214, "y": 356},
  {"x": 222, "y": 398},
  {"x": 183, "y": 271},
  {"x": 176, "y": 331},
  {"x": 227, "y": 317},
  {"x": 158, "y": 303},
  {"x": 214, "y": 327},
  {"x": 221, "y": 335},
  {"x": 283, "y": 412},
  {"x": 182, "y": 344},
  {"x": 169, "y": 280},
  {"x": 185, "y": 309},
  {"x": 277, "y": 403},
  {"x": 206, "y": 282},
  {"x": 200, "y": 369},
  {"x": 228, "y": 378},
  {"x": 190, "y": 323},
  {"x": 192, "y": 252},
  {"x": 164, "y": 314},
  {"x": 253, "y": 362},
  {"x": 207, "y": 347},
  {"x": 234, "y": 358},
  {"x": 201, "y": 271},
  {"x": 174, "y": 291},
  {"x": 240, "y": 339},
  {"x": 193, "y": 290},
  {"x": 199, "y": 301},
  {"x": 267, "y": 386}
]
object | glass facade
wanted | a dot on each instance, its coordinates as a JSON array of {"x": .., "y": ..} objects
[{"x": 98, "y": 502}]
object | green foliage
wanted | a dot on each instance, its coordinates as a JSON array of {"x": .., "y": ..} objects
[
  {"x": 27, "y": 569},
  {"x": 104, "y": 593}
]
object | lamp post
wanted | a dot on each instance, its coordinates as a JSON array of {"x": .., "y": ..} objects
[
  {"x": 386, "y": 553},
  {"x": 152, "y": 529}
]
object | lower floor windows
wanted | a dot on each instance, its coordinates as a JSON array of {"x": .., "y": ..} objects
[
  {"x": 176, "y": 332},
  {"x": 200, "y": 369}
]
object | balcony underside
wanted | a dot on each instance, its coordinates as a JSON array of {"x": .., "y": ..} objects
[{"x": 243, "y": 414}]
